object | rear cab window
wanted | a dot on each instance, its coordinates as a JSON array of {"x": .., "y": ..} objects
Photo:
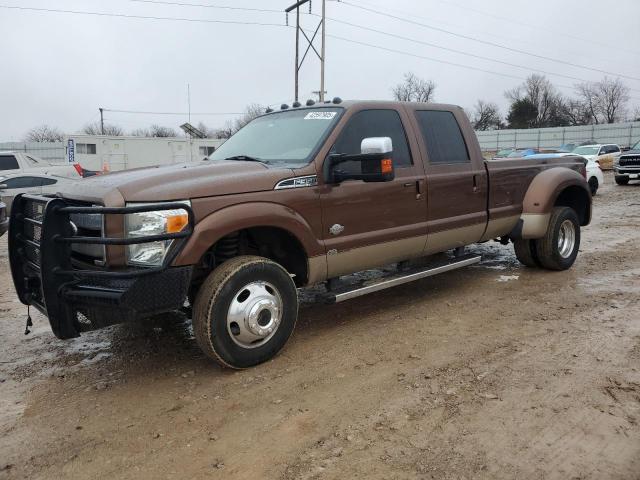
[
  {"x": 8, "y": 162},
  {"x": 443, "y": 137}
]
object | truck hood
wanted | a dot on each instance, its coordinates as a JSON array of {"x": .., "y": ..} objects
[
  {"x": 633, "y": 153},
  {"x": 176, "y": 182}
]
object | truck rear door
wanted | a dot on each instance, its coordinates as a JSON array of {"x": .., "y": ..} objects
[{"x": 457, "y": 185}]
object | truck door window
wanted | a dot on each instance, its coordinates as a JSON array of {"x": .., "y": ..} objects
[
  {"x": 442, "y": 134},
  {"x": 8, "y": 162},
  {"x": 373, "y": 123}
]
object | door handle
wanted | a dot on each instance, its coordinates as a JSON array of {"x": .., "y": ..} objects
[{"x": 475, "y": 184}]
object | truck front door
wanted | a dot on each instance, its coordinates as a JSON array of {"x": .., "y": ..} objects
[
  {"x": 371, "y": 224},
  {"x": 456, "y": 182}
]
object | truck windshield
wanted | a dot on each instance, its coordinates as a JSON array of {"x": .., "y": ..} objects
[
  {"x": 636, "y": 146},
  {"x": 288, "y": 137},
  {"x": 586, "y": 150}
]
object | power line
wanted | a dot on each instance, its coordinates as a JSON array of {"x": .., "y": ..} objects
[
  {"x": 536, "y": 27},
  {"x": 486, "y": 42},
  {"x": 446, "y": 62},
  {"x": 140, "y": 17},
  {"x": 146, "y": 17},
  {"x": 461, "y": 52},
  {"x": 208, "y": 5}
]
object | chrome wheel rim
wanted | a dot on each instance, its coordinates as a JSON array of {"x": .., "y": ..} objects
[
  {"x": 566, "y": 239},
  {"x": 254, "y": 315}
]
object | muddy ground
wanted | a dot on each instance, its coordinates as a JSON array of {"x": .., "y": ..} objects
[{"x": 495, "y": 371}]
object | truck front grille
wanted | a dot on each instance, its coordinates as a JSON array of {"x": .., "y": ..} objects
[
  {"x": 630, "y": 161},
  {"x": 32, "y": 230}
]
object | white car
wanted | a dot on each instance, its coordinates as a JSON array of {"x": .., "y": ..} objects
[
  {"x": 12, "y": 185},
  {"x": 603, "y": 154},
  {"x": 595, "y": 177}
]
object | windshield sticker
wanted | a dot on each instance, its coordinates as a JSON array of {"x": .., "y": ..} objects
[{"x": 320, "y": 115}]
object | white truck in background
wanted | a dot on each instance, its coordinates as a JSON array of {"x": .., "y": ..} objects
[{"x": 18, "y": 162}]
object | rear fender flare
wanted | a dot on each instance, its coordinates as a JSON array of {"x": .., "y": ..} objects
[{"x": 541, "y": 197}]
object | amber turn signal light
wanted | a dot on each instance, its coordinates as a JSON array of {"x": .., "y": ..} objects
[
  {"x": 386, "y": 165},
  {"x": 175, "y": 223}
]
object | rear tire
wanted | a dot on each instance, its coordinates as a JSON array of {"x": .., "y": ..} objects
[
  {"x": 526, "y": 252},
  {"x": 558, "y": 249},
  {"x": 620, "y": 180},
  {"x": 593, "y": 185},
  {"x": 245, "y": 312}
]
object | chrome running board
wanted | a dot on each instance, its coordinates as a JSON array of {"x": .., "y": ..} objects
[{"x": 341, "y": 295}]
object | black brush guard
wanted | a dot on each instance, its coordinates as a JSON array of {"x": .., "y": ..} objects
[{"x": 75, "y": 300}]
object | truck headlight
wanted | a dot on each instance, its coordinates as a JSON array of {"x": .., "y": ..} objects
[{"x": 153, "y": 223}]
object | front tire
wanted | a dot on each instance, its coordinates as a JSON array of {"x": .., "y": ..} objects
[
  {"x": 558, "y": 249},
  {"x": 622, "y": 180},
  {"x": 245, "y": 312}
]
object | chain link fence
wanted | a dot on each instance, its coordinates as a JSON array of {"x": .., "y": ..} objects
[{"x": 623, "y": 134}]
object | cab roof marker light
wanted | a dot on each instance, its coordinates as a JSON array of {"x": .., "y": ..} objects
[
  {"x": 269, "y": 110},
  {"x": 296, "y": 104},
  {"x": 337, "y": 100},
  {"x": 284, "y": 106},
  {"x": 310, "y": 103}
]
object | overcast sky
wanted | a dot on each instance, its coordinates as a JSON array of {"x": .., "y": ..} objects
[{"x": 59, "y": 68}]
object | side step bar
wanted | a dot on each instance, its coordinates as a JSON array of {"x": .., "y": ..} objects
[{"x": 348, "y": 293}]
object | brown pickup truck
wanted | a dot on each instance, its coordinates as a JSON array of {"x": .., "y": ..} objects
[{"x": 298, "y": 197}]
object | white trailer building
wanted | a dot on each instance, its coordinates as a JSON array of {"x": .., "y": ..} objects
[{"x": 105, "y": 153}]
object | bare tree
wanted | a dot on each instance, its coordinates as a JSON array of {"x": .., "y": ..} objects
[
  {"x": 576, "y": 112},
  {"x": 414, "y": 89},
  {"x": 44, "y": 134},
  {"x": 140, "y": 132},
  {"x": 154, "y": 131},
  {"x": 252, "y": 111},
  {"x": 110, "y": 129},
  {"x": 614, "y": 97},
  {"x": 605, "y": 100},
  {"x": 208, "y": 132},
  {"x": 589, "y": 97},
  {"x": 486, "y": 116},
  {"x": 539, "y": 91}
]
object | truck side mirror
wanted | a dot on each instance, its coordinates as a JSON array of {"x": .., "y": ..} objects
[
  {"x": 375, "y": 159},
  {"x": 3, "y": 187}
]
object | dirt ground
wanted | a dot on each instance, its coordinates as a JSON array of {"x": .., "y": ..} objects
[{"x": 495, "y": 371}]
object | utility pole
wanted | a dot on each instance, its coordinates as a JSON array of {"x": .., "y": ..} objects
[
  {"x": 323, "y": 52},
  {"x": 101, "y": 121},
  {"x": 310, "y": 45}
]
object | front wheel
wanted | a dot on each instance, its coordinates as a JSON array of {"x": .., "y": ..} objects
[
  {"x": 245, "y": 311},
  {"x": 622, "y": 180},
  {"x": 558, "y": 249}
]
